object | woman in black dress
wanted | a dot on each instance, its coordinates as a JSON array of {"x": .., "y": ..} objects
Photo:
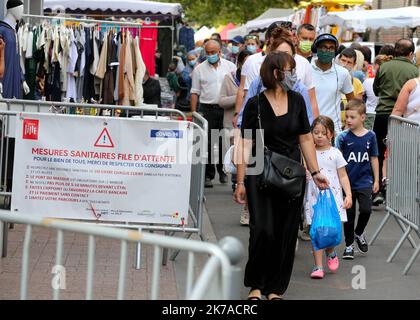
[{"x": 274, "y": 219}]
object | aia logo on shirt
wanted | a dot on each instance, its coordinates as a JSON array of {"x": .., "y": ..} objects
[
  {"x": 358, "y": 157},
  {"x": 30, "y": 129}
]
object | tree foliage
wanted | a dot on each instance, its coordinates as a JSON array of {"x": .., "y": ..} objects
[{"x": 221, "y": 12}]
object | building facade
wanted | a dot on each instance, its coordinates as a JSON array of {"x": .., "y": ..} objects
[{"x": 393, "y": 34}]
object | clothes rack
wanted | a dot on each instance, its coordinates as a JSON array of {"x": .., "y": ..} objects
[{"x": 94, "y": 21}]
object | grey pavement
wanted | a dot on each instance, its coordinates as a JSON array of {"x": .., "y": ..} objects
[
  {"x": 383, "y": 280},
  {"x": 221, "y": 218}
]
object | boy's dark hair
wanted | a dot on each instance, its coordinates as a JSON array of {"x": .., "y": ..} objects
[
  {"x": 172, "y": 67},
  {"x": 273, "y": 61},
  {"x": 349, "y": 53},
  {"x": 356, "y": 105}
]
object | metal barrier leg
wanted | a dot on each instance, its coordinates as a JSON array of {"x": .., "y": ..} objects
[
  {"x": 1, "y": 238},
  {"x": 236, "y": 283},
  {"x": 404, "y": 229},
  {"x": 5, "y": 232},
  {"x": 138, "y": 254},
  {"x": 165, "y": 252},
  {"x": 412, "y": 259},
  {"x": 381, "y": 226},
  {"x": 399, "y": 244},
  {"x": 176, "y": 253}
]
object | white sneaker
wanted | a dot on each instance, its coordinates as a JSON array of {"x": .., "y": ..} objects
[{"x": 244, "y": 217}]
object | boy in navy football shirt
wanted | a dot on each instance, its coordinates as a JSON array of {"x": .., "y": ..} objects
[{"x": 360, "y": 150}]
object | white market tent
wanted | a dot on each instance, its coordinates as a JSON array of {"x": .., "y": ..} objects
[
  {"x": 239, "y": 31},
  {"x": 204, "y": 33},
  {"x": 271, "y": 15},
  {"x": 374, "y": 19},
  {"x": 113, "y": 5}
]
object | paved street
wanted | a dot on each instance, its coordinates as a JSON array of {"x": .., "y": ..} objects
[{"x": 383, "y": 280}]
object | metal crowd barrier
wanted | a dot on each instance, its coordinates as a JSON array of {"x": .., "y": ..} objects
[
  {"x": 403, "y": 185},
  {"x": 10, "y": 107},
  {"x": 219, "y": 279}
]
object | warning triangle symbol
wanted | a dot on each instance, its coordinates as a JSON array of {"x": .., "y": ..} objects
[{"x": 104, "y": 140}]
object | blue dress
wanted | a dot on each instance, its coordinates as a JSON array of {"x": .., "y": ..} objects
[{"x": 13, "y": 76}]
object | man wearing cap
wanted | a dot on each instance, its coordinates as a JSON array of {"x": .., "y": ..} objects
[
  {"x": 237, "y": 46},
  {"x": 251, "y": 68},
  {"x": 330, "y": 79}
]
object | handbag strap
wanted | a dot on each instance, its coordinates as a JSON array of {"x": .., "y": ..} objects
[{"x": 259, "y": 112}]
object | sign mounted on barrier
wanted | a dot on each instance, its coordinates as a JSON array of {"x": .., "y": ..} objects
[{"x": 107, "y": 169}]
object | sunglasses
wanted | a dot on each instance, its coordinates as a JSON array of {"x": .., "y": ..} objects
[{"x": 251, "y": 37}]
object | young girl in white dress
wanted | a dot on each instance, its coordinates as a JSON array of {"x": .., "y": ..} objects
[{"x": 333, "y": 166}]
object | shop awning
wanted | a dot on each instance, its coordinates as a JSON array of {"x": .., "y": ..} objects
[
  {"x": 133, "y": 6},
  {"x": 374, "y": 19},
  {"x": 271, "y": 15}
]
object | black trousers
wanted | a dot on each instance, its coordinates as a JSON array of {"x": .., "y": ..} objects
[
  {"x": 214, "y": 115},
  {"x": 380, "y": 127},
  {"x": 364, "y": 197},
  {"x": 274, "y": 223}
]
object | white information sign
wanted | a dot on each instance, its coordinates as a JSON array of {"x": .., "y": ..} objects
[{"x": 106, "y": 169}]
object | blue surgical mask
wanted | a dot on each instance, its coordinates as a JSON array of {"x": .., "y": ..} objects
[
  {"x": 251, "y": 48},
  {"x": 192, "y": 63},
  {"x": 235, "y": 49},
  {"x": 213, "y": 59}
]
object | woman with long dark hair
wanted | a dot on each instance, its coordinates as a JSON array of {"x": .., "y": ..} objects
[{"x": 274, "y": 217}]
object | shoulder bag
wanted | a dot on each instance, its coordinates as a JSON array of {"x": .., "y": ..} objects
[{"x": 281, "y": 174}]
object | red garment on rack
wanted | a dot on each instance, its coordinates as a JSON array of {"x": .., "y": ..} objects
[
  {"x": 148, "y": 43},
  {"x": 307, "y": 18}
]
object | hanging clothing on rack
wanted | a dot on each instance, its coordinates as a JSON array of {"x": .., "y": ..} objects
[
  {"x": 140, "y": 71},
  {"x": 129, "y": 84},
  {"x": 186, "y": 37},
  {"x": 165, "y": 48},
  {"x": 148, "y": 42}
]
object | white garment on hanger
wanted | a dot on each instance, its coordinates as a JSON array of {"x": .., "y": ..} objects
[
  {"x": 71, "y": 91},
  {"x": 95, "y": 63},
  {"x": 29, "y": 45},
  {"x": 140, "y": 71}
]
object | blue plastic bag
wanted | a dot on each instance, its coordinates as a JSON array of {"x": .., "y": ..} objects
[{"x": 326, "y": 228}]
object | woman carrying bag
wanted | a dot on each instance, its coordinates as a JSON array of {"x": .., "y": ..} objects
[{"x": 275, "y": 213}]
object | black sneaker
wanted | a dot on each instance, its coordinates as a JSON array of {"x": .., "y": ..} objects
[
  {"x": 223, "y": 178},
  {"x": 378, "y": 199},
  {"x": 362, "y": 243},
  {"x": 208, "y": 183},
  {"x": 348, "y": 253}
]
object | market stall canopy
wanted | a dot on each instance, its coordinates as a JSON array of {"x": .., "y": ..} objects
[
  {"x": 113, "y": 5},
  {"x": 224, "y": 32},
  {"x": 239, "y": 31},
  {"x": 374, "y": 19},
  {"x": 204, "y": 33},
  {"x": 271, "y": 15}
]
